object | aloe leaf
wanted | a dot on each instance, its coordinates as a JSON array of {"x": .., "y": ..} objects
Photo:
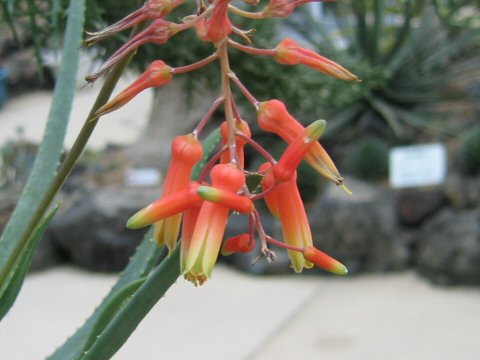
[
  {"x": 44, "y": 168},
  {"x": 127, "y": 319},
  {"x": 145, "y": 258},
  {"x": 11, "y": 287},
  {"x": 388, "y": 114},
  {"x": 112, "y": 306},
  {"x": 142, "y": 262}
]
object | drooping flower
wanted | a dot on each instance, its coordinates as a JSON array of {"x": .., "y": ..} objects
[
  {"x": 206, "y": 239},
  {"x": 167, "y": 206},
  {"x": 177, "y": 193},
  {"x": 273, "y": 116},
  {"x": 324, "y": 261},
  {"x": 288, "y": 52},
  {"x": 288, "y": 206},
  {"x": 157, "y": 74},
  {"x": 158, "y": 32},
  {"x": 242, "y": 127},
  {"x": 152, "y": 9},
  {"x": 287, "y": 165},
  {"x": 283, "y": 8}
]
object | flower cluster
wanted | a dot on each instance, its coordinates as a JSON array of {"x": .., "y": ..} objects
[{"x": 197, "y": 211}]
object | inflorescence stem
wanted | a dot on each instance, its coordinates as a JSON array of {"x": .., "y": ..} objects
[{"x": 227, "y": 94}]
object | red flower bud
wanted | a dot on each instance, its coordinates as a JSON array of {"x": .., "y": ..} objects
[
  {"x": 238, "y": 244},
  {"x": 157, "y": 74},
  {"x": 218, "y": 25},
  {"x": 290, "y": 53}
]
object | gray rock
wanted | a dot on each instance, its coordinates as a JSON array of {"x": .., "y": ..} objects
[
  {"x": 448, "y": 247},
  {"x": 92, "y": 232},
  {"x": 413, "y": 206},
  {"x": 462, "y": 191},
  {"x": 360, "y": 230}
]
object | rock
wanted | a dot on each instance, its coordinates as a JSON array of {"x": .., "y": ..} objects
[
  {"x": 48, "y": 254},
  {"x": 462, "y": 191},
  {"x": 360, "y": 230},
  {"x": 92, "y": 232},
  {"x": 448, "y": 247},
  {"x": 413, "y": 206}
]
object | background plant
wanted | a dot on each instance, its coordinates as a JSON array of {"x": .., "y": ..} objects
[{"x": 410, "y": 61}]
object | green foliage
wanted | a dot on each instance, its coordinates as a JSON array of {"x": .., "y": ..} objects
[
  {"x": 407, "y": 58},
  {"x": 15, "y": 239},
  {"x": 469, "y": 151},
  {"x": 368, "y": 160},
  {"x": 9, "y": 289}
]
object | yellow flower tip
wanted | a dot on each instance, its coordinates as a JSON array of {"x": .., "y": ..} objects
[
  {"x": 139, "y": 219},
  {"x": 316, "y": 129},
  {"x": 324, "y": 261},
  {"x": 346, "y": 189},
  {"x": 339, "y": 269}
]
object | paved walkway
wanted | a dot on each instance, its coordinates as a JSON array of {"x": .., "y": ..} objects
[
  {"x": 237, "y": 316},
  {"x": 29, "y": 112}
]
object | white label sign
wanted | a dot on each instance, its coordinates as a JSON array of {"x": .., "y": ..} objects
[
  {"x": 142, "y": 177},
  {"x": 418, "y": 165}
]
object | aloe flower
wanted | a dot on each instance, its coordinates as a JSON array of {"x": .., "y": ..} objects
[
  {"x": 288, "y": 52},
  {"x": 158, "y": 32},
  {"x": 283, "y": 8},
  {"x": 242, "y": 243},
  {"x": 273, "y": 116},
  {"x": 152, "y": 9},
  {"x": 217, "y": 26},
  {"x": 285, "y": 199},
  {"x": 206, "y": 240},
  {"x": 157, "y": 74}
]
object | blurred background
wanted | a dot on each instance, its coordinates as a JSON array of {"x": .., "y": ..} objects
[{"x": 412, "y": 246}]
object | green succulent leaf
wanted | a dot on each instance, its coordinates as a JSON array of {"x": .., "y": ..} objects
[
  {"x": 10, "y": 288},
  {"x": 12, "y": 241}
]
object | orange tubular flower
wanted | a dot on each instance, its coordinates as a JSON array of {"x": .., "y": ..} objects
[
  {"x": 272, "y": 116},
  {"x": 167, "y": 206},
  {"x": 228, "y": 199},
  {"x": 286, "y": 201},
  {"x": 241, "y": 126},
  {"x": 285, "y": 169},
  {"x": 152, "y": 9},
  {"x": 186, "y": 152},
  {"x": 157, "y": 74},
  {"x": 288, "y": 52},
  {"x": 212, "y": 219},
  {"x": 324, "y": 261}
]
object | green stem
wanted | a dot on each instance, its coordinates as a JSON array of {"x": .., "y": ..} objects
[
  {"x": 227, "y": 95},
  {"x": 69, "y": 162}
]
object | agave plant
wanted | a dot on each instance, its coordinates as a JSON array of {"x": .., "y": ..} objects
[{"x": 410, "y": 60}]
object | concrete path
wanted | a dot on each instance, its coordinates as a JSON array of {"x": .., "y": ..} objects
[
  {"x": 30, "y": 112},
  {"x": 237, "y": 316}
]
